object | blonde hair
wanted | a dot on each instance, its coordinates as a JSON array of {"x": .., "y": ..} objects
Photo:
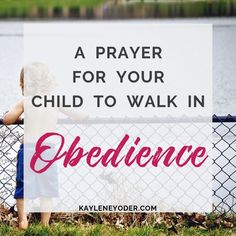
[{"x": 36, "y": 78}]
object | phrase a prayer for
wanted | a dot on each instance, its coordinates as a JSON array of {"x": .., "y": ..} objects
[{"x": 139, "y": 77}]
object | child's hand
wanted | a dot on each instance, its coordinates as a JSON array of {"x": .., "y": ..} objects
[{"x": 75, "y": 115}]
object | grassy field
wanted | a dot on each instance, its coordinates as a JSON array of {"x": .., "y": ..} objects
[
  {"x": 59, "y": 229},
  {"x": 21, "y": 8},
  {"x": 26, "y": 4}
]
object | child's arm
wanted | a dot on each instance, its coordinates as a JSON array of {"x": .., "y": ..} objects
[
  {"x": 14, "y": 114},
  {"x": 74, "y": 115}
]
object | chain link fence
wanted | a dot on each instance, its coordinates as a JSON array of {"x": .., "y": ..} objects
[{"x": 224, "y": 161}]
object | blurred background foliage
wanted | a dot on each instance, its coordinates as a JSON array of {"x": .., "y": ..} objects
[{"x": 115, "y": 9}]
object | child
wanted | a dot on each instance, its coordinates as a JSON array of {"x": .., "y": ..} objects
[
  {"x": 12, "y": 117},
  {"x": 36, "y": 79}
]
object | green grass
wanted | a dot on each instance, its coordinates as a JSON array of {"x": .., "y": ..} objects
[
  {"x": 59, "y": 229},
  {"x": 48, "y": 3},
  {"x": 21, "y": 8}
]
